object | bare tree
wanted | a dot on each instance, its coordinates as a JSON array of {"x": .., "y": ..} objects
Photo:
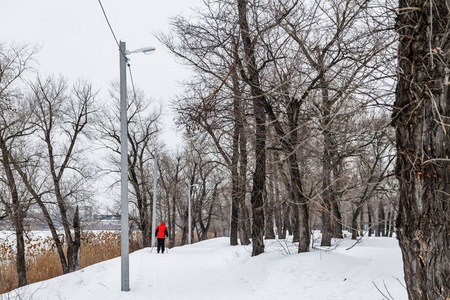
[
  {"x": 143, "y": 129},
  {"x": 420, "y": 117},
  {"x": 274, "y": 62},
  {"x": 374, "y": 163},
  {"x": 171, "y": 179},
  {"x": 61, "y": 121},
  {"x": 14, "y": 125},
  {"x": 213, "y": 100},
  {"x": 329, "y": 35}
]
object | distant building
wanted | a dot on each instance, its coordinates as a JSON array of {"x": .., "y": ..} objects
[
  {"x": 106, "y": 218},
  {"x": 103, "y": 222},
  {"x": 86, "y": 213}
]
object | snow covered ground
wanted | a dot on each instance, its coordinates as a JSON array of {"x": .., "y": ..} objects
[{"x": 214, "y": 270}]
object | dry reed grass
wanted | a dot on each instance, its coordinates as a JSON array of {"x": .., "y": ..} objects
[{"x": 43, "y": 262}]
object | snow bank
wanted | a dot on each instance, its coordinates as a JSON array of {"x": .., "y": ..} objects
[{"x": 214, "y": 270}]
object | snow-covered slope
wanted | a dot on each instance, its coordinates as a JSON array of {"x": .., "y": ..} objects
[{"x": 214, "y": 270}]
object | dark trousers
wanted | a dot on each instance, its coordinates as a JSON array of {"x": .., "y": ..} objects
[{"x": 161, "y": 245}]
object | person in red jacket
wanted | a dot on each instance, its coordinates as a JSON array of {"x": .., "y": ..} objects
[{"x": 161, "y": 233}]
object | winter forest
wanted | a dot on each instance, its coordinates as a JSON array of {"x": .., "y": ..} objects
[{"x": 322, "y": 116}]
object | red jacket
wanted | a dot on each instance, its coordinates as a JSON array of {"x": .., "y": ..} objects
[{"x": 161, "y": 231}]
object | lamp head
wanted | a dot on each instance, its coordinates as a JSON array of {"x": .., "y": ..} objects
[
  {"x": 148, "y": 50},
  {"x": 145, "y": 50}
]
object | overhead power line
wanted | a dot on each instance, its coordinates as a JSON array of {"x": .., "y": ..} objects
[
  {"x": 118, "y": 45},
  {"x": 109, "y": 24}
]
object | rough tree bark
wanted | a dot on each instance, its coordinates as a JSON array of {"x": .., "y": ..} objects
[{"x": 421, "y": 117}]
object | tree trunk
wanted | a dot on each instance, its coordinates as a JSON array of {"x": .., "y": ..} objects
[
  {"x": 327, "y": 232},
  {"x": 279, "y": 213},
  {"x": 377, "y": 223},
  {"x": 420, "y": 118},
  {"x": 361, "y": 223},
  {"x": 389, "y": 224},
  {"x": 295, "y": 216},
  {"x": 288, "y": 221},
  {"x": 327, "y": 157},
  {"x": 301, "y": 213},
  {"x": 278, "y": 223},
  {"x": 16, "y": 214},
  {"x": 173, "y": 215},
  {"x": 258, "y": 182},
  {"x": 204, "y": 228},
  {"x": 20, "y": 256},
  {"x": 234, "y": 219},
  {"x": 184, "y": 236},
  {"x": 381, "y": 220},
  {"x": 337, "y": 217},
  {"x": 234, "y": 168},
  {"x": 234, "y": 193},
  {"x": 238, "y": 160},
  {"x": 269, "y": 233},
  {"x": 305, "y": 234},
  {"x": 73, "y": 250},
  {"x": 244, "y": 224},
  {"x": 327, "y": 197},
  {"x": 369, "y": 219},
  {"x": 142, "y": 203},
  {"x": 172, "y": 229},
  {"x": 282, "y": 229},
  {"x": 337, "y": 221},
  {"x": 259, "y": 174},
  {"x": 355, "y": 222}
]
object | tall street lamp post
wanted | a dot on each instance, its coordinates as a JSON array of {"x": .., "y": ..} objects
[
  {"x": 124, "y": 248},
  {"x": 155, "y": 181},
  {"x": 189, "y": 211}
]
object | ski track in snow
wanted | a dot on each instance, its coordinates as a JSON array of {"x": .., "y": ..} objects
[{"x": 196, "y": 274}]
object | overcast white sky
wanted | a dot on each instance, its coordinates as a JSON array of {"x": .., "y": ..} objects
[{"x": 76, "y": 42}]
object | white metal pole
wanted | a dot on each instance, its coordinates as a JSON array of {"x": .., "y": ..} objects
[
  {"x": 124, "y": 248},
  {"x": 155, "y": 179},
  {"x": 189, "y": 214}
]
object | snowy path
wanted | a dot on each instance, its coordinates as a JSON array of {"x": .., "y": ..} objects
[
  {"x": 214, "y": 270},
  {"x": 187, "y": 273}
]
